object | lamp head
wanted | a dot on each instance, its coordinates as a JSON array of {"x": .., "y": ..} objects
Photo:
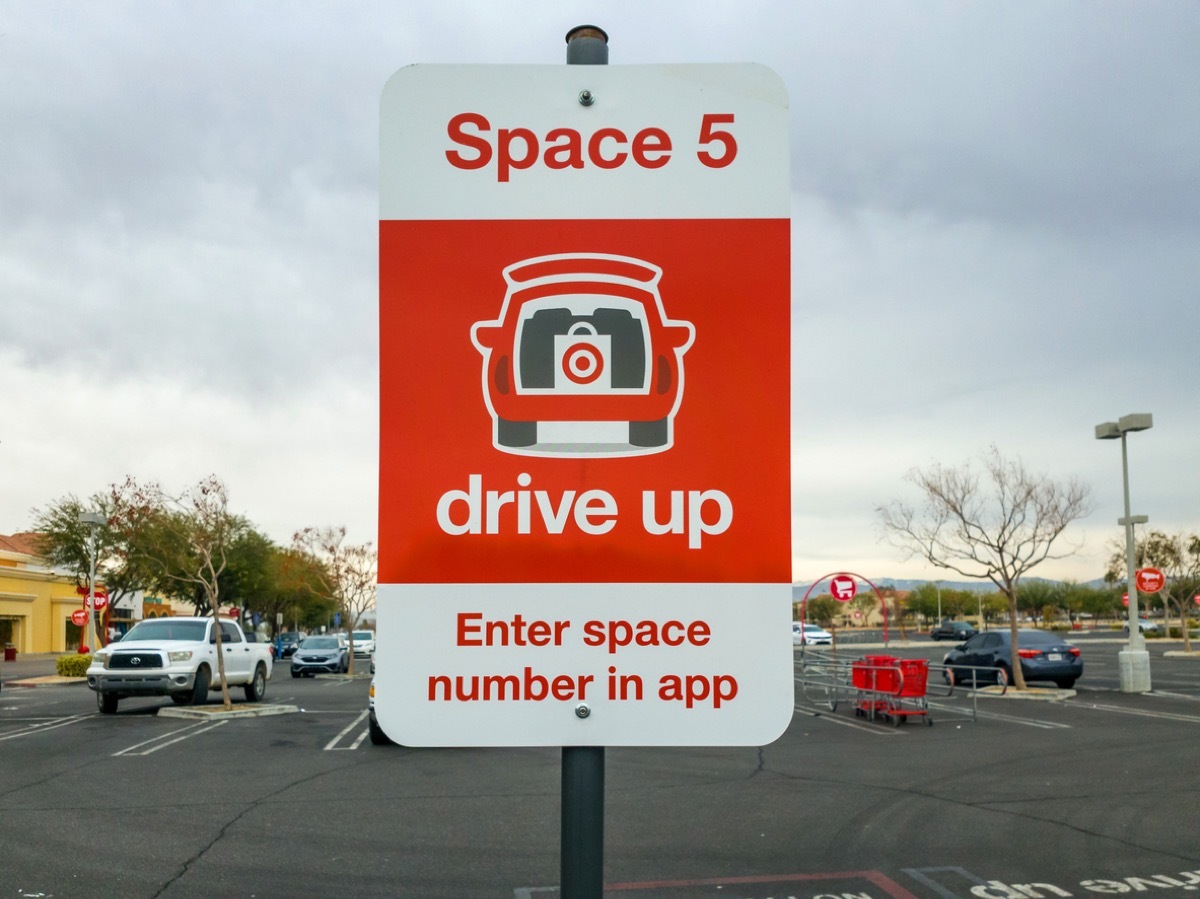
[
  {"x": 1136, "y": 421},
  {"x": 1109, "y": 430}
]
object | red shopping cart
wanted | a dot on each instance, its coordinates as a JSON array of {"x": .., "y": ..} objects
[{"x": 891, "y": 687}]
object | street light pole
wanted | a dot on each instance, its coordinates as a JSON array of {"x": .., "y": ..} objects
[
  {"x": 92, "y": 520},
  {"x": 1134, "y": 662}
]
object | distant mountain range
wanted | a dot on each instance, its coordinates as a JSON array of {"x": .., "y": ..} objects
[{"x": 798, "y": 590}]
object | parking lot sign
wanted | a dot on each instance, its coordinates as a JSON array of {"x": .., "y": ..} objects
[{"x": 584, "y": 509}]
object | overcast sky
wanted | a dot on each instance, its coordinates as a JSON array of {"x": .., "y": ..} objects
[{"x": 995, "y": 220}]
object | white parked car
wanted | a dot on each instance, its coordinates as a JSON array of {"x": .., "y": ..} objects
[
  {"x": 1146, "y": 626},
  {"x": 810, "y": 634},
  {"x": 364, "y": 643}
]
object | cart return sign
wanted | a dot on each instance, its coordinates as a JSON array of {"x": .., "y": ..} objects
[{"x": 584, "y": 504}]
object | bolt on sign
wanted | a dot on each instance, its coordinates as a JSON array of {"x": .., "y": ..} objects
[{"x": 584, "y": 494}]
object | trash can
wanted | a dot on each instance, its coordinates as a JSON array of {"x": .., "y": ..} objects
[{"x": 10, "y": 652}]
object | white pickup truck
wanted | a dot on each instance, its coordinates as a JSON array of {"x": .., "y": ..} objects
[{"x": 177, "y": 657}]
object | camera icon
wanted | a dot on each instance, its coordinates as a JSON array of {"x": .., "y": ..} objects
[{"x": 582, "y": 360}]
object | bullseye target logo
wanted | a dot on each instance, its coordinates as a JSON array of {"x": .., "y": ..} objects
[
  {"x": 582, "y": 360},
  {"x": 582, "y": 356}
]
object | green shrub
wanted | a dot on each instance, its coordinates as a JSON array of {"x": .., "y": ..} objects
[{"x": 73, "y": 666}]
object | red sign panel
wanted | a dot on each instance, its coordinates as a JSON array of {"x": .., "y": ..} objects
[
  {"x": 1149, "y": 580},
  {"x": 79, "y": 617}
]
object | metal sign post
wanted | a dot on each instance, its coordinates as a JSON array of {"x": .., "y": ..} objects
[{"x": 581, "y": 840}]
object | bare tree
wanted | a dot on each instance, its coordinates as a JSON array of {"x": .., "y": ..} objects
[
  {"x": 345, "y": 573},
  {"x": 184, "y": 538},
  {"x": 993, "y": 525}
]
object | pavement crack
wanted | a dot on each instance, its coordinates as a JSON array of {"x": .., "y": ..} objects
[{"x": 187, "y": 865}]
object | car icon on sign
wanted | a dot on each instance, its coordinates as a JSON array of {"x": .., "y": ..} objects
[{"x": 582, "y": 360}]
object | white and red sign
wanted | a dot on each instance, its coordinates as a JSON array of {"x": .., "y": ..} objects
[
  {"x": 1149, "y": 580},
  {"x": 584, "y": 523},
  {"x": 843, "y": 588},
  {"x": 79, "y": 617},
  {"x": 100, "y": 595}
]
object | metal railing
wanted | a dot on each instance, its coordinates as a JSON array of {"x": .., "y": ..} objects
[{"x": 827, "y": 680}]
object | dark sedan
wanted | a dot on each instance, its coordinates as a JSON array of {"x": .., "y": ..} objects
[
  {"x": 988, "y": 656},
  {"x": 953, "y": 630},
  {"x": 289, "y": 641}
]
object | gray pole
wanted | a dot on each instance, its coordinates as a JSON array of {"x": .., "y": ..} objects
[
  {"x": 92, "y": 592},
  {"x": 1136, "y": 640},
  {"x": 92, "y": 520},
  {"x": 587, "y": 45},
  {"x": 581, "y": 845}
]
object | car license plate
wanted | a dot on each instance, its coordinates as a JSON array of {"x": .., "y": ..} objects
[{"x": 1054, "y": 656}]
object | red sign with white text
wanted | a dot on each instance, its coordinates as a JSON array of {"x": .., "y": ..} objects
[
  {"x": 584, "y": 529},
  {"x": 1149, "y": 580}
]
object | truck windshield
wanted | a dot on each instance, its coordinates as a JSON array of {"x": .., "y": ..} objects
[{"x": 166, "y": 629}]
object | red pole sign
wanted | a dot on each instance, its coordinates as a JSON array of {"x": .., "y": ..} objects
[
  {"x": 1149, "y": 580},
  {"x": 583, "y": 295},
  {"x": 79, "y": 617}
]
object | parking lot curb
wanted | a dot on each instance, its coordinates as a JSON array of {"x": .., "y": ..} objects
[
  {"x": 49, "y": 680},
  {"x": 1180, "y": 654},
  {"x": 217, "y": 712},
  {"x": 1045, "y": 694}
]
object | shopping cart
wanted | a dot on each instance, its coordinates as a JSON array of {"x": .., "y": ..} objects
[{"x": 890, "y": 687}]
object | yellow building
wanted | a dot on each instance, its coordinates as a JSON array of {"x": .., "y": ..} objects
[{"x": 36, "y": 602}]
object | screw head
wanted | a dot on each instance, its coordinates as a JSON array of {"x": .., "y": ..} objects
[
  {"x": 582, "y": 710},
  {"x": 586, "y": 98}
]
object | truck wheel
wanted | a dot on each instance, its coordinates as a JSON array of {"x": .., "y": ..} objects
[
  {"x": 107, "y": 702},
  {"x": 376, "y": 734},
  {"x": 258, "y": 685},
  {"x": 200, "y": 686}
]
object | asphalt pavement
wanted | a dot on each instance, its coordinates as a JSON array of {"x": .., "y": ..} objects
[{"x": 1082, "y": 796}]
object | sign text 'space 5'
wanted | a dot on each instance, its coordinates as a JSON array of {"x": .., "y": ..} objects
[{"x": 584, "y": 520}]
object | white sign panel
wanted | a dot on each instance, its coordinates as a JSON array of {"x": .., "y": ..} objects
[{"x": 584, "y": 379}]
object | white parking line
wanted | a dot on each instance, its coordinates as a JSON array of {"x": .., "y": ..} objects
[
  {"x": 332, "y": 746},
  {"x": 1144, "y": 713},
  {"x": 996, "y": 716},
  {"x": 864, "y": 726},
  {"x": 53, "y": 724},
  {"x": 190, "y": 731}
]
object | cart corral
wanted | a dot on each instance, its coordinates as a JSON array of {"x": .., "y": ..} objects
[{"x": 881, "y": 687}]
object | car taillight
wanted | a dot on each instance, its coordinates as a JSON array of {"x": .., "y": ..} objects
[
  {"x": 1074, "y": 650},
  {"x": 662, "y": 381},
  {"x": 1028, "y": 653},
  {"x": 501, "y": 378}
]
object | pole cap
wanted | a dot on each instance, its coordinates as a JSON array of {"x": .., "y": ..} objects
[{"x": 592, "y": 31}]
